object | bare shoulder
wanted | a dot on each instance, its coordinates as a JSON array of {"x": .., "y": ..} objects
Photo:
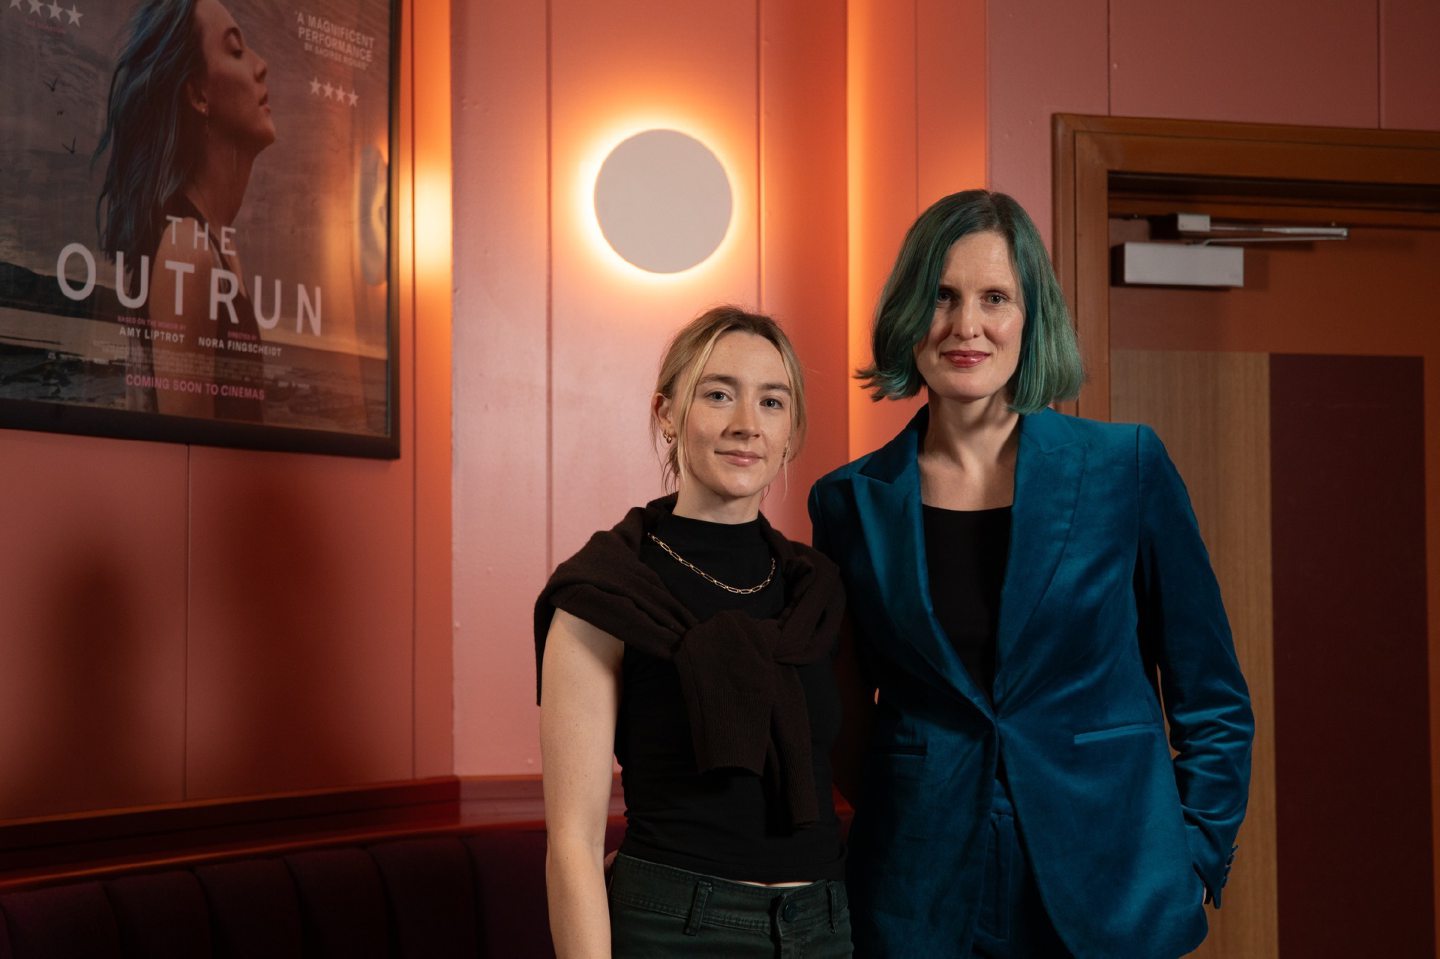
[{"x": 570, "y": 629}]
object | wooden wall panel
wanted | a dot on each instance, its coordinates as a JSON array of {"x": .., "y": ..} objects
[
  {"x": 92, "y": 633},
  {"x": 916, "y": 106},
  {"x": 1351, "y": 655},
  {"x": 617, "y": 69},
  {"x": 1409, "y": 69},
  {"x": 1043, "y": 58},
  {"x": 502, "y": 417},
  {"x": 1281, "y": 61},
  {"x": 883, "y": 183},
  {"x": 950, "y": 98},
  {"x": 802, "y": 225},
  {"x": 557, "y": 341},
  {"x": 306, "y": 629},
  {"x": 191, "y": 622},
  {"x": 433, "y": 719},
  {"x": 300, "y": 666},
  {"x": 1212, "y": 411}
]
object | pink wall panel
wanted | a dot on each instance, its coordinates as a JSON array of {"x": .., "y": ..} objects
[
  {"x": 950, "y": 69},
  {"x": 92, "y": 588},
  {"x": 501, "y": 492},
  {"x": 187, "y": 622},
  {"x": 1409, "y": 67},
  {"x": 301, "y": 636},
  {"x": 430, "y": 418},
  {"x": 917, "y": 131},
  {"x": 616, "y": 69},
  {"x": 1283, "y": 61},
  {"x": 1044, "y": 58},
  {"x": 802, "y": 239},
  {"x": 883, "y": 152}
]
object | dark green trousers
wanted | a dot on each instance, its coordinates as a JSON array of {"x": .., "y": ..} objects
[{"x": 661, "y": 911}]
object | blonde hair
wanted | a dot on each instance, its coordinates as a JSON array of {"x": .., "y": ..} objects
[{"x": 685, "y": 360}]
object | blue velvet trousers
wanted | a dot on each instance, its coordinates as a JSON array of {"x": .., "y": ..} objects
[{"x": 1013, "y": 923}]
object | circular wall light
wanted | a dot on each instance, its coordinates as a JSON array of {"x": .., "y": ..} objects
[{"x": 663, "y": 201}]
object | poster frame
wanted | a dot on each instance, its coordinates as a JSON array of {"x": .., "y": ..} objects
[{"x": 59, "y": 417}]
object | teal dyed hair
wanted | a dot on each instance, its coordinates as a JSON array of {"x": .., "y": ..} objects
[
  {"x": 1049, "y": 367},
  {"x": 150, "y": 133}
]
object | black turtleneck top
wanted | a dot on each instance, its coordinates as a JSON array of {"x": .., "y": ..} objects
[{"x": 721, "y": 823}]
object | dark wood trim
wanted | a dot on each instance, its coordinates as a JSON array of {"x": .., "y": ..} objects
[
  {"x": 45, "y": 843},
  {"x": 376, "y": 800},
  {"x": 1109, "y": 165},
  {"x": 97, "y": 845}
]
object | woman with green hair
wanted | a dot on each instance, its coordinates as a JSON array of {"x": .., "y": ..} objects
[{"x": 1031, "y": 606}]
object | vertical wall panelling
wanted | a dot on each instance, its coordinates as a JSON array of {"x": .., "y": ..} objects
[
  {"x": 300, "y": 654},
  {"x": 200, "y": 623},
  {"x": 538, "y": 102},
  {"x": 303, "y": 618},
  {"x": 434, "y": 713},
  {"x": 618, "y": 68},
  {"x": 883, "y": 188},
  {"x": 501, "y": 440},
  {"x": 1351, "y": 655},
  {"x": 1409, "y": 69},
  {"x": 916, "y": 110},
  {"x": 1283, "y": 61},
  {"x": 950, "y": 67},
  {"x": 1212, "y": 410},
  {"x": 802, "y": 224},
  {"x": 93, "y": 589},
  {"x": 1042, "y": 58}
]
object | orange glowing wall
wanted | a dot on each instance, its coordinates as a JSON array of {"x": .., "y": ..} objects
[
  {"x": 917, "y": 132},
  {"x": 836, "y": 124},
  {"x": 188, "y": 623}
]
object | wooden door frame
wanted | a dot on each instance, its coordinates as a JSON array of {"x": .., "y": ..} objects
[
  {"x": 1107, "y": 166},
  {"x": 1366, "y": 177}
]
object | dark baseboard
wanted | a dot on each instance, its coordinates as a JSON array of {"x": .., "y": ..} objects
[
  {"x": 30, "y": 848},
  {"x": 51, "y": 849}
]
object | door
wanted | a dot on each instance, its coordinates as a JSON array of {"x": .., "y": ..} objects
[{"x": 1304, "y": 412}]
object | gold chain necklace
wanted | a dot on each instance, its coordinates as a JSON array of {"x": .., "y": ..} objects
[{"x": 711, "y": 579}]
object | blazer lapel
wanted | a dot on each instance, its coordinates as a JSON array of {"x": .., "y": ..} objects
[
  {"x": 1049, "y": 466},
  {"x": 887, "y": 494}
]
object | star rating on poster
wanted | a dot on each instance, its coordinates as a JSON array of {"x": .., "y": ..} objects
[
  {"x": 67, "y": 16},
  {"x": 332, "y": 92}
]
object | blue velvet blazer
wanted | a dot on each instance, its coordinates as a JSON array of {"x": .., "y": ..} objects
[{"x": 1107, "y": 584}]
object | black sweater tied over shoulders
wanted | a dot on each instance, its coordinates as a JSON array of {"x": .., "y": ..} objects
[{"x": 742, "y": 690}]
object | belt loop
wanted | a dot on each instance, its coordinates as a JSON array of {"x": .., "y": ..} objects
[
  {"x": 832, "y": 892},
  {"x": 697, "y": 908}
]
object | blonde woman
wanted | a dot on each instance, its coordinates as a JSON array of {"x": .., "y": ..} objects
[{"x": 693, "y": 642}]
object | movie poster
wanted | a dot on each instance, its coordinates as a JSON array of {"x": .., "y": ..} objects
[{"x": 194, "y": 243}]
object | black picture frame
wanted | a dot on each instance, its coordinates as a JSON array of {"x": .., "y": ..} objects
[{"x": 320, "y": 392}]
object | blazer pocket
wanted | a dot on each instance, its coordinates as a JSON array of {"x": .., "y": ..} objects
[{"x": 1114, "y": 732}]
